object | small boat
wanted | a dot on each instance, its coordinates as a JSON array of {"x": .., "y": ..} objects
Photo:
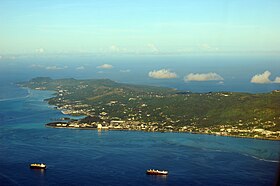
[
  {"x": 156, "y": 172},
  {"x": 38, "y": 166}
]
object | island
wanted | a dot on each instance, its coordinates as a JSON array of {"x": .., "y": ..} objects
[{"x": 108, "y": 105}]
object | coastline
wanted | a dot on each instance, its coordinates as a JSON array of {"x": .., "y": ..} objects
[
  {"x": 93, "y": 118},
  {"x": 111, "y": 129}
]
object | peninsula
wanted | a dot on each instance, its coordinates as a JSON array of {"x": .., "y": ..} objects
[{"x": 110, "y": 105}]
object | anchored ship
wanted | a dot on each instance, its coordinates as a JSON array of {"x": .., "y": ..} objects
[
  {"x": 38, "y": 166},
  {"x": 156, "y": 172}
]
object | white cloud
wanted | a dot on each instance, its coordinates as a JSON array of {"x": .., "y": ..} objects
[
  {"x": 162, "y": 74},
  {"x": 114, "y": 48},
  {"x": 39, "y": 50},
  {"x": 80, "y": 68},
  {"x": 105, "y": 66},
  {"x": 277, "y": 80},
  {"x": 153, "y": 48},
  {"x": 117, "y": 49},
  {"x": 264, "y": 78},
  {"x": 1, "y": 57},
  {"x": 55, "y": 68},
  {"x": 261, "y": 78},
  {"x": 211, "y": 76}
]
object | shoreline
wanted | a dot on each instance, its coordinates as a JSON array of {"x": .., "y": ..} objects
[
  {"x": 92, "y": 128},
  {"x": 228, "y": 130}
]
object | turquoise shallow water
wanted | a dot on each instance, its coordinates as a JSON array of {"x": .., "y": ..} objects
[{"x": 89, "y": 157}]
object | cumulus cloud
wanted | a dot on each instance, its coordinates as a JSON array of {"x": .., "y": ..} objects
[
  {"x": 117, "y": 49},
  {"x": 264, "y": 78},
  {"x": 80, "y": 68},
  {"x": 39, "y": 50},
  {"x": 105, "y": 66},
  {"x": 114, "y": 48},
  {"x": 162, "y": 74},
  {"x": 203, "y": 77},
  {"x": 277, "y": 80},
  {"x": 55, "y": 68},
  {"x": 261, "y": 78},
  {"x": 153, "y": 48}
]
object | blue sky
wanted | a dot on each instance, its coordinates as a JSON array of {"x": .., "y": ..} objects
[{"x": 139, "y": 27}]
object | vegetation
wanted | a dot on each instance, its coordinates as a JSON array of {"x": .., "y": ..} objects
[{"x": 215, "y": 111}]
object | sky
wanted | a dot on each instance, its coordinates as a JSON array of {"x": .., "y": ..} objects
[{"x": 139, "y": 27}]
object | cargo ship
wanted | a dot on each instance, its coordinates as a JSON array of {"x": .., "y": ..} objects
[
  {"x": 38, "y": 166},
  {"x": 156, "y": 172}
]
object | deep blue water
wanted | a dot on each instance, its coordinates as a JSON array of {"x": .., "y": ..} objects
[{"x": 89, "y": 157}]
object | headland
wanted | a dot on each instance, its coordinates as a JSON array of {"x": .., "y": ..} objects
[{"x": 108, "y": 105}]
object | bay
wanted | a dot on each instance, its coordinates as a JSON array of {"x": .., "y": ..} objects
[{"x": 89, "y": 157}]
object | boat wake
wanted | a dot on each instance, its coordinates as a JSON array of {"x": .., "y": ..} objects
[
  {"x": 13, "y": 182},
  {"x": 15, "y": 98},
  {"x": 29, "y": 94},
  {"x": 248, "y": 155},
  {"x": 261, "y": 159}
]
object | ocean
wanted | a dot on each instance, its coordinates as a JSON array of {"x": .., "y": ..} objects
[
  {"x": 89, "y": 157},
  {"x": 235, "y": 71}
]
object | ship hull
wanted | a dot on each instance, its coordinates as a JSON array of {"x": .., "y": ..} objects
[
  {"x": 34, "y": 167},
  {"x": 156, "y": 172}
]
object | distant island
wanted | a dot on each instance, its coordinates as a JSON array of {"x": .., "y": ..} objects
[{"x": 108, "y": 105}]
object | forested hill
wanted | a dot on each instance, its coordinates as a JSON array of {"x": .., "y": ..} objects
[{"x": 164, "y": 106}]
